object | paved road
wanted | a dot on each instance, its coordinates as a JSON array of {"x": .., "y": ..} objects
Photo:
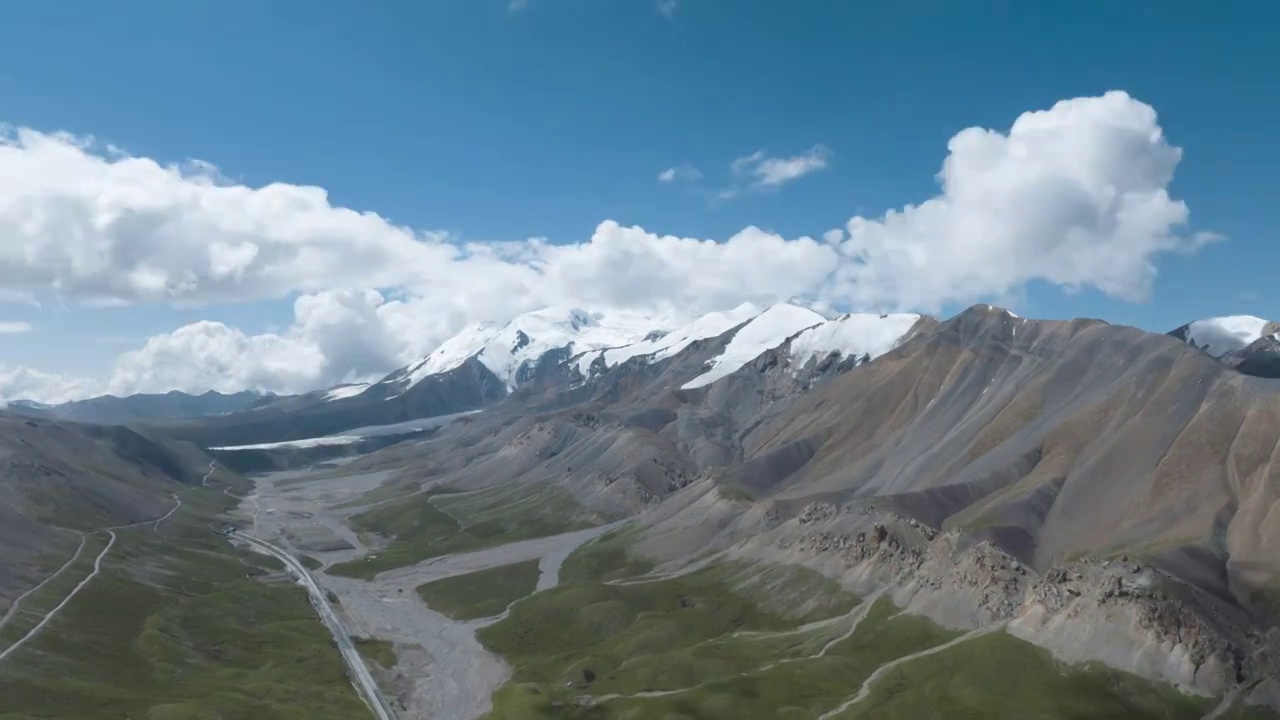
[{"x": 368, "y": 687}]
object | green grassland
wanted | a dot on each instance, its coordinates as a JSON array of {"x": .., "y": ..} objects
[
  {"x": 391, "y": 490},
  {"x": 440, "y": 522},
  {"x": 605, "y": 558},
  {"x": 739, "y": 642},
  {"x": 180, "y": 625},
  {"x": 378, "y": 652},
  {"x": 481, "y": 594},
  {"x": 665, "y": 635},
  {"x": 1000, "y": 676}
]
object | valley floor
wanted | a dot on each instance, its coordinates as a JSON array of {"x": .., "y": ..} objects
[
  {"x": 441, "y": 671},
  {"x": 568, "y": 625}
]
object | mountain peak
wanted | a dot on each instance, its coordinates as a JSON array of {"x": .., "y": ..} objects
[
  {"x": 1220, "y": 336},
  {"x": 856, "y": 335},
  {"x": 764, "y": 332},
  {"x": 506, "y": 349}
]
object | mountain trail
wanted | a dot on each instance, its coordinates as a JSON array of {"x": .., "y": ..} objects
[
  {"x": 97, "y": 567},
  {"x": 880, "y": 672},
  {"x": 13, "y": 607}
]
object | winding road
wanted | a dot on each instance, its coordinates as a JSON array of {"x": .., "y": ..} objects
[
  {"x": 14, "y": 606},
  {"x": 880, "y": 672},
  {"x": 97, "y": 567},
  {"x": 359, "y": 670}
]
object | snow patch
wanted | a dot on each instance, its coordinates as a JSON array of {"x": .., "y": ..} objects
[
  {"x": 852, "y": 335},
  {"x": 296, "y": 444},
  {"x": 765, "y": 332},
  {"x": 506, "y": 349},
  {"x": 1222, "y": 335},
  {"x": 527, "y": 338},
  {"x": 708, "y": 326},
  {"x": 356, "y": 435},
  {"x": 452, "y": 352},
  {"x": 345, "y": 391}
]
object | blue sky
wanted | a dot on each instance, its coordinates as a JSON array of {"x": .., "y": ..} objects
[{"x": 496, "y": 123}]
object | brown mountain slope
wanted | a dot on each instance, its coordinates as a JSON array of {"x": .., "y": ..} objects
[
  {"x": 1056, "y": 440},
  {"x": 991, "y": 469},
  {"x": 1052, "y": 439}
]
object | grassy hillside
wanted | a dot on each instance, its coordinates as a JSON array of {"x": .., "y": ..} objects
[
  {"x": 180, "y": 625},
  {"x": 703, "y": 646},
  {"x": 440, "y": 522},
  {"x": 481, "y": 594},
  {"x": 1000, "y": 676},
  {"x": 605, "y": 558}
]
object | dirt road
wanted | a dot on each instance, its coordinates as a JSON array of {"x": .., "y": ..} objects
[{"x": 97, "y": 568}]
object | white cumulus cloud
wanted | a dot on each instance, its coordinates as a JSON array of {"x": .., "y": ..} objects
[
  {"x": 212, "y": 356},
  {"x": 102, "y": 226},
  {"x": 24, "y": 383},
  {"x": 1075, "y": 195},
  {"x": 14, "y": 328},
  {"x": 355, "y": 335}
]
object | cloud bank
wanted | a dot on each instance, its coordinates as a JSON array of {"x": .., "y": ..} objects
[{"x": 1076, "y": 195}]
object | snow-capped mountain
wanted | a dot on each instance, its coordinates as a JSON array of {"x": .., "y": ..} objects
[
  {"x": 1221, "y": 335},
  {"x": 660, "y": 345},
  {"x": 764, "y": 332},
  {"x": 564, "y": 349},
  {"x": 1247, "y": 343},
  {"x": 594, "y": 342},
  {"x": 514, "y": 350},
  {"x": 862, "y": 336}
]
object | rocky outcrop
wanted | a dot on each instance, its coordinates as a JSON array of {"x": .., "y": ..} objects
[
  {"x": 1122, "y": 612},
  {"x": 1261, "y": 358},
  {"x": 1127, "y": 615}
]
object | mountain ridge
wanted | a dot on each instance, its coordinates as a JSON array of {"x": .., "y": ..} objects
[
  {"x": 523, "y": 361},
  {"x": 1247, "y": 343},
  {"x": 987, "y": 469}
]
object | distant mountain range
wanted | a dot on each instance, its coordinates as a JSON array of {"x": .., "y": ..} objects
[
  {"x": 545, "y": 351},
  {"x": 489, "y": 361},
  {"x": 144, "y": 408}
]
